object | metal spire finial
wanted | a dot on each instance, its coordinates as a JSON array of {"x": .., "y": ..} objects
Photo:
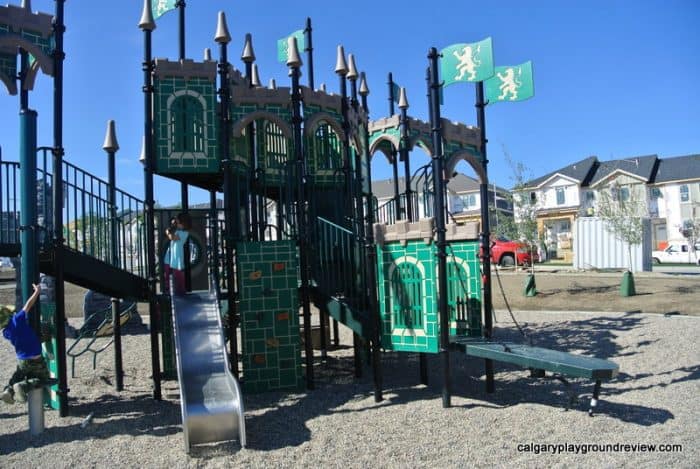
[
  {"x": 341, "y": 68},
  {"x": 255, "y": 78},
  {"x": 364, "y": 90},
  {"x": 110, "y": 144},
  {"x": 147, "y": 23},
  {"x": 403, "y": 101},
  {"x": 293, "y": 59},
  {"x": 222, "y": 35},
  {"x": 248, "y": 56},
  {"x": 352, "y": 70}
]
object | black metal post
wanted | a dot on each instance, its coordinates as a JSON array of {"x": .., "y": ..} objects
[
  {"x": 24, "y": 68},
  {"x": 346, "y": 142},
  {"x": 485, "y": 233},
  {"x": 214, "y": 237},
  {"x": 257, "y": 225},
  {"x": 184, "y": 192},
  {"x": 58, "y": 152},
  {"x": 28, "y": 175},
  {"x": 148, "y": 25},
  {"x": 111, "y": 146},
  {"x": 394, "y": 160},
  {"x": 309, "y": 49},
  {"x": 404, "y": 152},
  {"x": 180, "y": 4},
  {"x": 293, "y": 62},
  {"x": 372, "y": 260},
  {"x": 185, "y": 202},
  {"x": 231, "y": 231},
  {"x": 440, "y": 224}
]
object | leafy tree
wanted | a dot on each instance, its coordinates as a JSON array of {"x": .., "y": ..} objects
[
  {"x": 622, "y": 212},
  {"x": 691, "y": 228},
  {"x": 523, "y": 225}
]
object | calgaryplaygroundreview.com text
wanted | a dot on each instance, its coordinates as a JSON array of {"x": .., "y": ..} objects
[{"x": 585, "y": 448}]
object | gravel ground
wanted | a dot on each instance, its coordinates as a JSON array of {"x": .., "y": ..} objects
[{"x": 653, "y": 401}]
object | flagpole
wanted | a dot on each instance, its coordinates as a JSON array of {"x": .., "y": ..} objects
[
  {"x": 309, "y": 49},
  {"x": 293, "y": 63},
  {"x": 485, "y": 232},
  {"x": 441, "y": 243},
  {"x": 181, "y": 8},
  {"x": 147, "y": 25}
]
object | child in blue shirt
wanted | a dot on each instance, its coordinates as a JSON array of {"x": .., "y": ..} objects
[
  {"x": 177, "y": 251},
  {"x": 31, "y": 367}
]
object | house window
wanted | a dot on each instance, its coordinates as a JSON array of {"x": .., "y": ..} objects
[
  {"x": 624, "y": 194},
  {"x": 533, "y": 197},
  {"x": 685, "y": 194},
  {"x": 469, "y": 201},
  {"x": 590, "y": 196},
  {"x": 656, "y": 193},
  {"x": 561, "y": 196}
]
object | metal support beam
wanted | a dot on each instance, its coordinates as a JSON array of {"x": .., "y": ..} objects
[
  {"x": 485, "y": 235},
  {"x": 441, "y": 244}
]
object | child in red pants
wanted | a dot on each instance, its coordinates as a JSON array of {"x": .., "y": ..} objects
[{"x": 178, "y": 238}]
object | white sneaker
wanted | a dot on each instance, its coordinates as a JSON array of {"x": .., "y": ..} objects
[
  {"x": 7, "y": 396},
  {"x": 20, "y": 395}
]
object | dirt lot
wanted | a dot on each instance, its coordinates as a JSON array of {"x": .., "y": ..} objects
[
  {"x": 558, "y": 290},
  {"x": 562, "y": 290}
]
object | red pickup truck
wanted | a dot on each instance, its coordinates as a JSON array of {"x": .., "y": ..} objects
[{"x": 504, "y": 252}]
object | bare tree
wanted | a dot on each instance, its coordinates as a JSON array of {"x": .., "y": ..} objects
[
  {"x": 621, "y": 209},
  {"x": 523, "y": 225},
  {"x": 691, "y": 228}
]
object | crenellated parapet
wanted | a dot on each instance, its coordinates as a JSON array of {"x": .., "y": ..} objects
[
  {"x": 404, "y": 231},
  {"x": 327, "y": 102},
  {"x": 32, "y": 32}
]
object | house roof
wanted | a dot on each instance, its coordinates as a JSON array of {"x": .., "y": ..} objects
[
  {"x": 580, "y": 171},
  {"x": 640, "y": 166},
  {"x": 680, "y": 168}
]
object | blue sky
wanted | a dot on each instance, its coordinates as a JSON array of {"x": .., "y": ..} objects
[{"x": 614, "y": 79}]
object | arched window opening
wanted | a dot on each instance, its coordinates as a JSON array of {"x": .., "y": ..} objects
[
  {"x": 327, "y": 148},
  {"x": 406, "y": 292},
  {"x": 187, "y": 125}
]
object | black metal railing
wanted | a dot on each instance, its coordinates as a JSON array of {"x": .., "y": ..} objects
[
  {"x": 86, "y": 214},
  {"x": 337, "y": 266}
]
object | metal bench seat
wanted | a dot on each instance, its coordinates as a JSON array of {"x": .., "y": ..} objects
[{"x": 539, "y": 360}]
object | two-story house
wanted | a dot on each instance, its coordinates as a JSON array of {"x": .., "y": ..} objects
[
  {"x": 558, "y": 198},
  {"x": 674, "y": 199},
  {"x": 668, "y": 190},
  {"x": 463, "y": 199}
]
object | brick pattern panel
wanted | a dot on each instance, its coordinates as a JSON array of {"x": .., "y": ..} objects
[{"x": 269, "y": 316}]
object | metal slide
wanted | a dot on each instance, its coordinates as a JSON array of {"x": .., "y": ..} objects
[{"x": 210, "y": 397}]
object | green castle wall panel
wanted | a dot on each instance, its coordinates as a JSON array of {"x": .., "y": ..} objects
[
  {"x": 269, "y": 316},
  {"x": 169, "y": 159},
  {"x": 465, "y": 283}
]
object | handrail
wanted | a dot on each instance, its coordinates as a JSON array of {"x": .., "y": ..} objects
[
  {"x": 337, "y": 265},
  {"x": 86, "y": 214}
]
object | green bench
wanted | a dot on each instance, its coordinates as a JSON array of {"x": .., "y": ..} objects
[{"x": 540, "y": 360}]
